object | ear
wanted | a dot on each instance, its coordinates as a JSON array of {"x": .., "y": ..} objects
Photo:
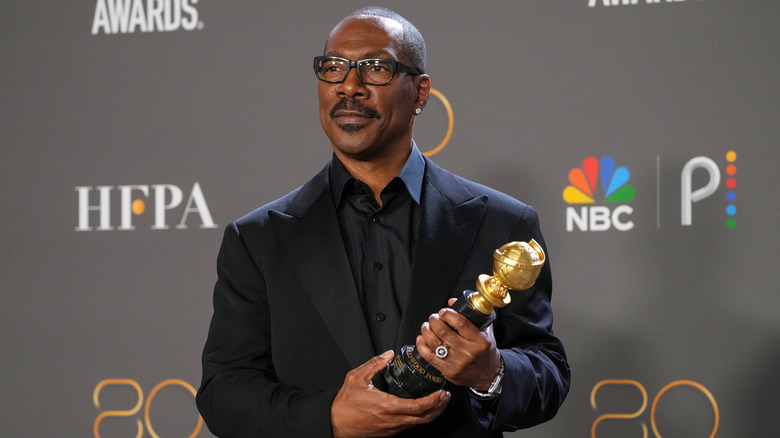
[{"x": 423, "y": 90}]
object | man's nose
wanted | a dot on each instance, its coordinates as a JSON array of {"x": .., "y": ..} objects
[{"x": 352, "y": 85}]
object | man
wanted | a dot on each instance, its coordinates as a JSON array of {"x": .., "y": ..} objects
[{"x": 312, "y": 287}]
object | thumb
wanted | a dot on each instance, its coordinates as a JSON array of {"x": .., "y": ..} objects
[{"x": 374, "y": 365}]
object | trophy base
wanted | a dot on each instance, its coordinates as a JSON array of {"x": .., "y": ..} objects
[{"x": 411, "y": 376}]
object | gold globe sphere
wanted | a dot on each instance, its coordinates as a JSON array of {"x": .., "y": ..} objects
[{"x": 517, "y": 264}]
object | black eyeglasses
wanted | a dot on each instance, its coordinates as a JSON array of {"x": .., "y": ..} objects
[{"x": 373, "y": 71}]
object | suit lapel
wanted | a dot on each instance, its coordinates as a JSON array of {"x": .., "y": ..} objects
[
  {"x": 450, "y": 219},
  {"x": 310, "y": 231}
]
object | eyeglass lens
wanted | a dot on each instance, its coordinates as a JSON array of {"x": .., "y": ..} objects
[{"x": 371, "y": 71}]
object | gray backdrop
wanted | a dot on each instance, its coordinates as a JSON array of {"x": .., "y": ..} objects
[{"x": 124, "y": 155}]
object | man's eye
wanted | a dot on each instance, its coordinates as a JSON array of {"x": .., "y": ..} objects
[
  {"x": 377, "y": 67},
  {"x": 333, "y": 66}
]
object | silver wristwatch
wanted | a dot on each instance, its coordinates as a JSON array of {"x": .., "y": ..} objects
[{"x": 495, "y": 386}]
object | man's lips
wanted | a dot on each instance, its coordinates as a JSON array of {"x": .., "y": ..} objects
[
  {"x": 344, "y": 116},
  {"x": 348, "y": 111}
]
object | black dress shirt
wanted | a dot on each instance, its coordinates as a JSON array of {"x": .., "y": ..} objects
[{"x": 379, "y": 241}]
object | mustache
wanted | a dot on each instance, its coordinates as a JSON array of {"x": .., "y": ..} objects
[{"x": 354, "y": 105}]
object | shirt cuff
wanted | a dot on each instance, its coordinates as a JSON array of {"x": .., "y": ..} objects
[{"x": 483, "y": 411}]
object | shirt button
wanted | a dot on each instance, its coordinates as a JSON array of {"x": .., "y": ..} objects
[
  {"x": 378, "y": 266},
  {"x": 380, "y": 316},
  {"x": 375, "y": 219}
]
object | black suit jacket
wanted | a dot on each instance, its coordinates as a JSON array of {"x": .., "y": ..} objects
[{"x": 288, "y": 324}]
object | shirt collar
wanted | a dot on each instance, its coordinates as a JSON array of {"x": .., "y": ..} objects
[{"x": 411, "y": 175}]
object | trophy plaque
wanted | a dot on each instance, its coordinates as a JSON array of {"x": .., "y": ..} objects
[{"x": 516, "y": 266}]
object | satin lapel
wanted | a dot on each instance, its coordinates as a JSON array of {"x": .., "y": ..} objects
[
  {"x": 315, "y": 248},
  {"x": 448, "y": 229}
]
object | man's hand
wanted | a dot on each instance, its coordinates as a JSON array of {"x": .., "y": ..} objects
[
  {"x": 360, "y": 410},
  {"x": 473, "y": 358}
]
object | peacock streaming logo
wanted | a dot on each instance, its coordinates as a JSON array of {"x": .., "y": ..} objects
[
  {"x": 690, "y": 195},
  {"x": 731, "y": 184},
  {"x": 599, "y": 180}
]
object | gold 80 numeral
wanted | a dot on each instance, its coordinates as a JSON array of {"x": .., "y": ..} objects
[
  {"x": 131, "y": 412},
  {"x": 632, "y": 415}
]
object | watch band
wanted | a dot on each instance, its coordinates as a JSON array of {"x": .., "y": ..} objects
[{"x": 495, "y": 386}]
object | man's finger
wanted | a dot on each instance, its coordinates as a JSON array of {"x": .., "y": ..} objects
[
  {"x": 443, "y": 365},
  {"x": 374, "y": 365},
  {"x": 458, "y": 323},
  {"x": 442, "y": 330},
  {"x": 422, "y": 408}
]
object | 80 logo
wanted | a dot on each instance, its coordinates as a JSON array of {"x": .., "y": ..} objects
[
  {"x": 656, "y": 400},
  {"x": 139, "y": 402}
]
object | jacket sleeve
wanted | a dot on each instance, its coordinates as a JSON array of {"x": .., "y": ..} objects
[
  {"x": 537, "y": 376},
  {"x": 240, "y": 395}
]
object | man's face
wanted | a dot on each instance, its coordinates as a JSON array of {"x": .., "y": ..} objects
[{"x": 364, "y": 122}]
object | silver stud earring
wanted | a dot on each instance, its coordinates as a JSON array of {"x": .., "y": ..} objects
[{"x": 418, "y": 111}]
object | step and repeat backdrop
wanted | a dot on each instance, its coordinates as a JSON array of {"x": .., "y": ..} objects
[{"x": 645, "y": 132}]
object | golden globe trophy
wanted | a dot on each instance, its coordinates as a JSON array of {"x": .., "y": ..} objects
[{"x": 516, "y": 266}]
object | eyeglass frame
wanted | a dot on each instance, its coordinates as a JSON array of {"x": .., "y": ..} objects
[{"x": 398, "y": 67}]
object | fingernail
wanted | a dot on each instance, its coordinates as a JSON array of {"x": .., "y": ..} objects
[{"x": 387, "y": 354}]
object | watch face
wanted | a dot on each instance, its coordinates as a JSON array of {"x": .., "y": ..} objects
[{"x": 495, "y": 386}]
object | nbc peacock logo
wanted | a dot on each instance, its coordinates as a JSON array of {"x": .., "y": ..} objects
[{"x": 614, "y": 189}]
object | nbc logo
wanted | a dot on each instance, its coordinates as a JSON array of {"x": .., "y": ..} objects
[{"x": 612, "y": 182}]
